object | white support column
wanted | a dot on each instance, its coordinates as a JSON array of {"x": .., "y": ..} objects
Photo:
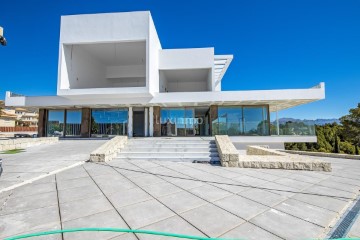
[
  {"x": 130, "y": 122},
  {"x": 146, "y": 133},
  {"x": 151, "y": 121},
  {"x": 277, "y": 123}
]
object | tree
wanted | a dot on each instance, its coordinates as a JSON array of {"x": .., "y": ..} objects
[
  {"x": 337, "y": 145},
  {"x": 351, "y": 126},
  {"x": 357, "y": 150}
]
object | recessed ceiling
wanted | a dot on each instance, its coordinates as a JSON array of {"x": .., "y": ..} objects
[{"x": 117, "y": 54}]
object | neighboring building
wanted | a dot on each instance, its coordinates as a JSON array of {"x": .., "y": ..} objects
[
  {"x": 26, "y": 117},
  {"x": 115, "y": 79},
  {"x": 12, "y": 117},
  {"x": 7, "y": 118}
]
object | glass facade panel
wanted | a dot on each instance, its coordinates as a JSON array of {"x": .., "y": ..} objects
[
  {"x": 190, "y": 121},
  {"x": 239, "y": 120},
  {"x": 256, "y": 121},
  {"x": 230, "y": 121},
  {"x": 177, "y": 121},
  {"x": 73, "y": 123},
  {"x": 55, "y": 123},
  {"x": 109, "y": 122}
]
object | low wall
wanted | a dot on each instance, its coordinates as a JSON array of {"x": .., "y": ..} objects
[
  {"x": 229, "y": 155},
  {"x": 262, "y": 150},
  {"x": 18, "y": 129},
  {"x": 322, "y": 154},
  {"x": 108, "y": 150},
  {"x": 25, "y": 142}
]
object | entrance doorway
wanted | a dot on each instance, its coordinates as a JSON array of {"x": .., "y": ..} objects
[
  {"x": 138, "y": 122},
  {"x": 202, "y": 119},
  {"x": 185, "y": 121}
]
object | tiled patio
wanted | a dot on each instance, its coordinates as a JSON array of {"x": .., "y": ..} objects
[{"x": 187, "y": 198}]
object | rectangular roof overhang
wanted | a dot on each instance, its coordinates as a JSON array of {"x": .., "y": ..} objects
[{"x": 276, "y": 99}]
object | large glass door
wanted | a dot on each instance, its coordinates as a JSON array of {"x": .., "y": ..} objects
[{"x": 177, "y": 121}]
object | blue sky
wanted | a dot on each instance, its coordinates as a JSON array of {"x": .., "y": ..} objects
[{"x": 276, "y": 44}]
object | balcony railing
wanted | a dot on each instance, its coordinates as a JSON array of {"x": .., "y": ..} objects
[{"x": 293, "y": 129}]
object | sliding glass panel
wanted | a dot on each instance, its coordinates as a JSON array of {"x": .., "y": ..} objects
[
  {"x": 55, "y": 123},
  {"x": 256, "y": 121},
  {"x": 230, "y": 120},
  {"x": 109, "y": 122},
  {"x": 73, "y": 123}
]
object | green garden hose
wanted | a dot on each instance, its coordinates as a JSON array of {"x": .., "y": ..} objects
[
  {"x": 112, "y": 230},
  {"x": 166, "y": 234}
]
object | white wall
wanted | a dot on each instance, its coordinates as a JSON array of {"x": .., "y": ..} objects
[
  {"x": 193, "y": 86},
  {"x": 104, "y": 27},
  {"x": 163, "y": 82},
  {"x": 125, "y": 71},
  {"x": 126, "y": 82},
  {"x": 191, "y": 58},
  {"x": 126, "y": 76},
  {"x": 99, "y": 28},
  {"x": 83, "y": 70},
  {"x": 153, "y": 48}
]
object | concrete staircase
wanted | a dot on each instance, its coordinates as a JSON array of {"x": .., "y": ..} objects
[{"x": 191, "y": 149}]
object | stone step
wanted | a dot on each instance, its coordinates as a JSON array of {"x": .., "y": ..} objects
[
  {"x": 182, "y": 145},
  {"x": 174, "y": 159},
  {"x": 168, "y": 154},
  {"x": 168, "y": 149},
  {"x": 131, "y": 141}
]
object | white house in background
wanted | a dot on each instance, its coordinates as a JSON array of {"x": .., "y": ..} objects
[{"x": 114, "y": 78}]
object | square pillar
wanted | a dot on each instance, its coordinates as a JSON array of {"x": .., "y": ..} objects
[
  {"x": 85, "y": 123},
  {"x": 213, "y": 116},
  {"x": 42, "y": 123},
  {"x": 151, "y": 121},
  {"x": 157, "y": 124},
  {"x": 130, "y": 122}
]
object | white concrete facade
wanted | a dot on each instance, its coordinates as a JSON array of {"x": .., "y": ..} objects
[{"x": 115, "y": 60}]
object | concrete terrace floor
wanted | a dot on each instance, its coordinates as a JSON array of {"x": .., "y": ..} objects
[
  {"x": 187, "y": 198},
  {"x": 42, "y": 159}
]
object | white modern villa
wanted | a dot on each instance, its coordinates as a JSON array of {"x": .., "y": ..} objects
[{"x": 114, "y": 78}]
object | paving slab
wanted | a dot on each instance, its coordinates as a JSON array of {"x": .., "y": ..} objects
[
  {"x": 40, "y": 160},
  {"x": 79, "y": 193},
  {"x": 161, "y": 189},
  {"x": 145, "y": 213},
  {"x": 84, "y": 207},
  {"x": 32, "y": 220},
  {"x": 107, "y": 219},
  {"x": 210, "y": 193},
  {"x": 307, "y": 212},
  {"x": 249, "y": 231},
  {"x": 128, "y": 197},
  {"x": 22, "y": 204},
  {"x": 173, "y": 225},
  {"x": 212, "y": 220},
  {"x": 242, "y": 207},
  {"x": 286, "y": 226},
  {"x": 74, "y": 183},
  {"x": 182, "y": 201},
  {"x": 262, "y": 196}
]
